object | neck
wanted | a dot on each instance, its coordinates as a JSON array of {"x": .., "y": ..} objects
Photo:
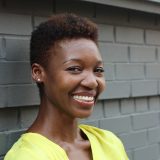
[{"x": 55, "y": 125}]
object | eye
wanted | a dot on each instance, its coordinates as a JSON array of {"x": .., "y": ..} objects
[
  {"x": 74, "y": 69},
  {"x": 99, "y": 70}
]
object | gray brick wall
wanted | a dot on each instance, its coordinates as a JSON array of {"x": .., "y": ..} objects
[{"x": 130, "y": 45}]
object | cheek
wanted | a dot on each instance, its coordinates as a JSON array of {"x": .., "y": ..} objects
[
  {"x": 102, "y": 84},
  {"x": 66, "y": 83}
]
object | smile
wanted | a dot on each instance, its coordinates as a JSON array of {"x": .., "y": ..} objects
[{"x": 83, "y": 98}]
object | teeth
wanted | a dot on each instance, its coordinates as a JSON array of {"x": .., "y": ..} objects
[{"x": 83, "y": 98}]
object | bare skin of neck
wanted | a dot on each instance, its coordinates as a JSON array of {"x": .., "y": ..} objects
[{"x": 62, "y": 130}]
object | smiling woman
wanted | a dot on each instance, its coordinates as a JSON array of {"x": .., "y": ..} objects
[{"x": 68, "y": 69}]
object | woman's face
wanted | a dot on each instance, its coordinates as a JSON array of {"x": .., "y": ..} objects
[{"x": 74, "y": 77}]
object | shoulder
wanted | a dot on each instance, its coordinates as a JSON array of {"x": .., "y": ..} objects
[
  {"x": 34, "y": 146},
  {"x": 29, "y": 146},
  {"x": 21, "y": 149}
]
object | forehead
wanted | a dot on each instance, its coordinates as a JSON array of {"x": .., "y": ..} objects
[{"x": 76, "y": 48}]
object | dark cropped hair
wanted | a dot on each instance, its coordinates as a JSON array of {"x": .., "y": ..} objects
[{"x": 59, "y": 27}]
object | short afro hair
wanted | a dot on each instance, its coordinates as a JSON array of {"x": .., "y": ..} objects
[{"x": 59, "y": 27}]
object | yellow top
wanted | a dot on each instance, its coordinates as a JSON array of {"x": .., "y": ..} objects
[{"x": 32, "y": 146}]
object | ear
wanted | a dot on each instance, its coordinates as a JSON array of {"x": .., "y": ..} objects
[{"x": 38, "y": 73}]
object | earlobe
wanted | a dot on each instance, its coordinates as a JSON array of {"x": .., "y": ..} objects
[{"x": 37, "y": 72}]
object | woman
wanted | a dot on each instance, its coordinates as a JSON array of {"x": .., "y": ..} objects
[{"x": 67, "y": 66}]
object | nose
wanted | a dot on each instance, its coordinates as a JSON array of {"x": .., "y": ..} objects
[{"x": 90, "y": 81}]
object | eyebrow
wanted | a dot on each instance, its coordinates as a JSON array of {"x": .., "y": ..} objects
[{"x": 79, "y": 60}]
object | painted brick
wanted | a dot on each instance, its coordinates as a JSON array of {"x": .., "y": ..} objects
[
  {"x": 21, "y": 27},
  {"x": 30, "y": 95},
  {"x": 8, "y": 119},
  {"x": 153, "y": 37},
  {"x": 141, "y": 19},
  {"x": 147, "y": 153},
  {"x": 154, "y": 103},
  {"x": 116, "y": 90},
  {"x": 114, "y": 52},
  {"x": 109, "y": 71},
  {"x": 29, "y": 7},
  {"x": 92, "y": 123},
  {"x": 17, "y": 49},
  {"x": 111, "y": 108},
  {"x": 98, "y": 112},
  {"x": 134, "y": 139},
  {"x": 106, "y": 33},
  {"x": 144, "y": 88},
  {"x": 158, "y": 54},
  {"x": 145, "y": 120},
  {"x": 28, "y": 115},
  {"x": 154, "y": 135},
  {"x": 3, "y": 96},
  {"x": 1, "y": 158},
  {"x": 159, "y": 87},
  {"x": 108, "y": 14},
  {"x": 116, "y": 124},
  {"x": 129, "y": 35},
  {"x": 1, "y": 51},
  {"x": 42, "y": 7},
  {"x": 15, "y": 72},
  {"x": 3, "y": 142},
  {"x": 158, "y": 21},
  {"x": 141, "y": 104},
  {"x": 129, "y": 154},
  {"x": 38, "y": 20},
  {"x": 142, "y": 54},
  {"x": 127, "y": 106},
  {"x": 152, "y": 71},
  {"x": 76, "y": 7},
  {"x": 129, "y": 71}
]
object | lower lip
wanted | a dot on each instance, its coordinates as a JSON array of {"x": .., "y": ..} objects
[{"x": 84, "y": 103}]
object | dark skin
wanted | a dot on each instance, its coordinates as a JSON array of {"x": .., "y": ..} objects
[{"x": 78, "y": 75}]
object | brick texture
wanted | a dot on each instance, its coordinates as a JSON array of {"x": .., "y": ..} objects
[
  {"x": 13, "y": 72},
  {"x": 116, "y": 90},
  {"x": 17, "y": 49},
  {"x": 3, "y": 146},
  {"x": 127, "y": 106},
  {"x": 147, "y": 153},
  {"x": 27, "y": 95},
  {"x": 129, "y": 71},
  {"x": 114, "y": 52},
  {"x": 116, "y": 124},
  {"x": 8, "y": 119},
  {"x": 108, "y": 14},
  {"x": 129, "y": 35},
  {"x": 145, "y": 120},
  {"x": 29, "y": 7},
  {"x": 1, "y": 51},
  {"x": 152, "y": 71},
  {"x": 134, "y": 139},
  {"x": 144, "y": 88},
  {"x": 137, "y": 54},
  {"x": 106, "y": 32},
  {"x": 8, "y": 25},
  {"x": 111, "y": 108},
  {"x": 75, "y": 7},
  {"x": 153, "y": 37}
]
